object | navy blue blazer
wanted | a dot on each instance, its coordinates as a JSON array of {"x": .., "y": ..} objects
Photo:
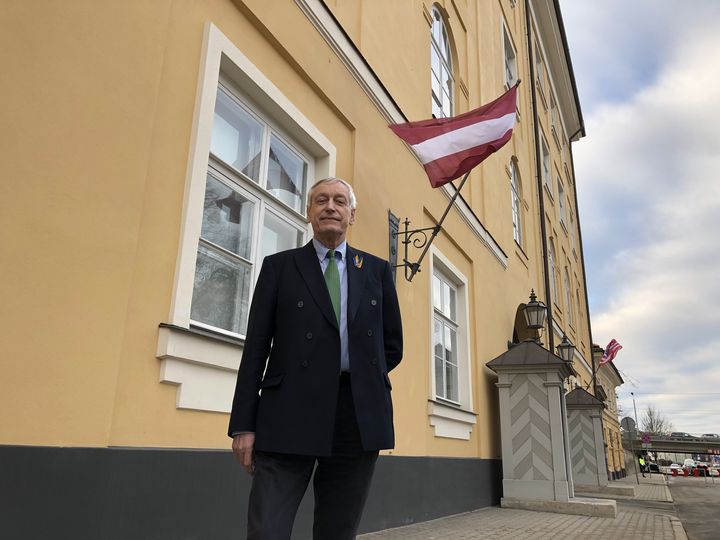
[{"x": 288, "y": 379}]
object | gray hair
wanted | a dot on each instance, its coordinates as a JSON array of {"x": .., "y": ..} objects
[{"x": 334, "y": 180}]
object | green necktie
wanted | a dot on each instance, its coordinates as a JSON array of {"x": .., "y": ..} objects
[{"x": 332, "y": 280}]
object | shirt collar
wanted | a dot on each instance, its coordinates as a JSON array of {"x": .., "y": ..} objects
[{"x": 322, "y": 250}]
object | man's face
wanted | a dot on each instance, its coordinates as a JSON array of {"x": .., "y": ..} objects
[{"x": 330, "y": 213}]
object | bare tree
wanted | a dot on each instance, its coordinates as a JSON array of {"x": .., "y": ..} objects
[{"x": 655, "y": 422}]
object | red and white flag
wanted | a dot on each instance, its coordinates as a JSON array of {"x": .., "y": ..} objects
[
  {"x": 450, "y": 147},
  {"x": 611, "y": 351}
]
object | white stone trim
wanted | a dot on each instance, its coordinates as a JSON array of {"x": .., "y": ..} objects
[
  {"x": 451, "y": 422},
  {"x": 203, "y": 368}
]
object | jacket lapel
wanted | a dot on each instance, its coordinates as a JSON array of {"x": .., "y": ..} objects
[
  {"x": 306, "y": 260},
  {"x": 356, "y": 281}
]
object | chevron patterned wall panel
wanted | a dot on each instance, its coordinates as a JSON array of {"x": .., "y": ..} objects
[
  {"x": 582, "y": 442},
  {"x": 530, "y": 421}
]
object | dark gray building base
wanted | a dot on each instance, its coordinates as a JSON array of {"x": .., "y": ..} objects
[{"x": 158, "y": 494}]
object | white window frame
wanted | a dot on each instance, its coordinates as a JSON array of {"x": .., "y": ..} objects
[
  {"x": 445, "y": 63},
  {"x": 509, "y": 59},
  {"x": 552, "y": 267},
  {"x": 452, "y": 420},
  {"x": 516, "y": 201},
  {"x": 203, "y": 367},
  {"x": 540, "y": 71},
  {"x": 561, "y": 201},
  {"x": 568, "y": 298},
  {"x": 547, "y": 165},
  {"x": 264, "y": 202}
]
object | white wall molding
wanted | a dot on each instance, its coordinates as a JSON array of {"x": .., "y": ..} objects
[{"x": 451, "y": 422}]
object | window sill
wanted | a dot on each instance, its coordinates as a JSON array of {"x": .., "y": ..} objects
[
  {"x": 202, "y": 364},
  {"x": 450, "y": 421}
]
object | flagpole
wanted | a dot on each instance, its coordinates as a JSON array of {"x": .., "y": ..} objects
[{"x": 415, "y": 267}]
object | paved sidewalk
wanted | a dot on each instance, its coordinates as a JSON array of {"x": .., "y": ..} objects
[
  {"x": 494, "y": 523},
  {"x": 652, "y": 487}
]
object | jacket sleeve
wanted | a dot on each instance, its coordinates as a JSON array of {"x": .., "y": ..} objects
[
  {"x": 392, "y": 322},
  {"x": 258, "y": 341}
]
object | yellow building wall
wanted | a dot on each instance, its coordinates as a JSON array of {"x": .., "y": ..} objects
[{"x": 101, "y": 114}]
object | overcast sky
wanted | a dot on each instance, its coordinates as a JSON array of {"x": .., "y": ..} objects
[{"x": 648, "y": 75}]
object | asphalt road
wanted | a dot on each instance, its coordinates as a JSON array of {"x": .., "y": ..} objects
[{"x": 697, "y": 503}]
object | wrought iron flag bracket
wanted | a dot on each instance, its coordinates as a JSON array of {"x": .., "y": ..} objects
[{"x": 419, "y": 238}]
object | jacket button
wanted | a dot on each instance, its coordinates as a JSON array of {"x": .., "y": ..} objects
[
  {"x": 373, "y": 302},
  {"x": 373, "y": 362},
  {"x": 369, "y": 332},
  {"x": 300, "y": 303},
  {"x": 304, "y": 363},
  {"x": 308, "y": 335}
]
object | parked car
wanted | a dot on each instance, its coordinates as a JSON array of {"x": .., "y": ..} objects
[
  {"x": 675, "y": 466},
  {"x": 710, "y": 436}
]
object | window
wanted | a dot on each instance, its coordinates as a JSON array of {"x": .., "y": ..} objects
[
  {"x": 547, "y": 176},
  {"x": 573, "y": 238},
  {"x": 445, "y": 331},
  {"x": 568, "y": 298},
  {"x": 539, "y": 70},
  {"x": 246, "y": 186},
  {"x": 561, "y": 200},
  {"x": 516, "y": 202},
  {"x": 441, "y": 74},
  {"x": 450, "y": 403},
  {"x": 553, "y": 272},
  {"x": 554, "y": 119},
  {"x": 254, "y": 206},
  {"x": 510, "y": 60}
]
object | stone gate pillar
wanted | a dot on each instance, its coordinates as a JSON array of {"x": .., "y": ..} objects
[
  {"x": 587, "y": 450},
  {"x": 534, "y": 464}
]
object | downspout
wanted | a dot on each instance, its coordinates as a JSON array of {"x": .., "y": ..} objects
[{"x": 538, "y": 175}]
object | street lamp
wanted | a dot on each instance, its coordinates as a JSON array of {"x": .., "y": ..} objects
[
  {"x": 566, "y": 350},
  {"x": 535, "y": 312}
]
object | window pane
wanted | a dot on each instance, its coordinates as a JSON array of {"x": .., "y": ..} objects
[
  {"x": 436, "y": 109},
  {"x": 453, "y": 304},
  {"x": 221, "y": 291},
  {"x": 450, "y": 345},
  {"x": 448, "y": 301},
  {"x": 287, "y": 174},
  {"x": 451, "y": 382},
  {"x": 451, "y": 369},
  {"x": 227, "y": 218},
  {"x": 439, "y": 359},
  {"x": 438, "y": 340},
  {"x": 446, "y": 105},
  {"x": 278, "y": 235},
  {"x": 434, "y": 60},
  {"x": 236, "y": 136},
  {"x": 435, "y": 84},
  {"x": 439, "y": 378},
  {"x": 446, "y": 82},
  {"x": 437, "y": 293}
]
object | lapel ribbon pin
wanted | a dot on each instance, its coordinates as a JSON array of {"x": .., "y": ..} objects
[{"x": 357, "y": 261}]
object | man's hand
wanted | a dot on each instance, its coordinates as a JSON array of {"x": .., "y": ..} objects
[{"x": 242, "y": 446}]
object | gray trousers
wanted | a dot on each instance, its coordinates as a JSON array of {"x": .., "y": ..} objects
[{"x": 341, "y": 483}]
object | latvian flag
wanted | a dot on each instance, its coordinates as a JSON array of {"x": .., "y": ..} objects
[
  {"x": 450, "y": 147},
  {"x": 611, "y": 351}
]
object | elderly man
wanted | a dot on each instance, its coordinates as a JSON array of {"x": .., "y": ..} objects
[{"x": 313, "y": 392}]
